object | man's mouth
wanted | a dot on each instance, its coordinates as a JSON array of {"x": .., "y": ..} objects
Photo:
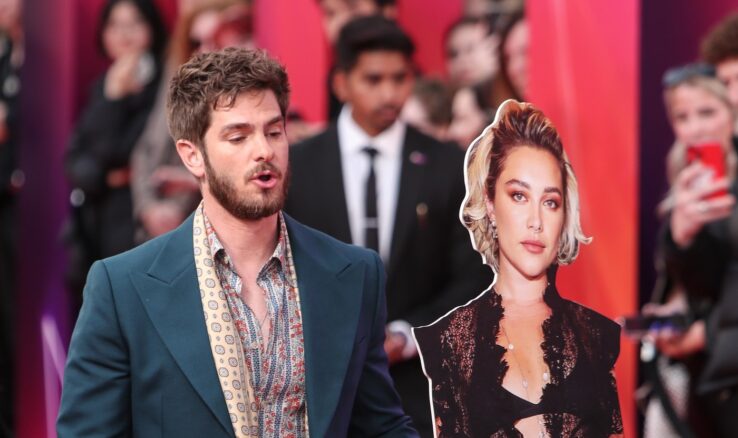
[{"x": 265, "y": 179}]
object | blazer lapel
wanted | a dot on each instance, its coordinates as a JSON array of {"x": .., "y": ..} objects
[
  {"x": 330, "y": 304},
  {"x": 414, "y": 161},
  {"x": 333, "y": 194},
  {"x": 171, "y": 296}
]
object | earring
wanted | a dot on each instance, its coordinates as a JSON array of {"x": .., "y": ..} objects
[{"x": 494, "y": 230}]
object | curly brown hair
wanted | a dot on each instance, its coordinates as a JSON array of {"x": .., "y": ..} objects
[
  {"x": 210, "y": 81},
  {"x": 721, "y": 43}
]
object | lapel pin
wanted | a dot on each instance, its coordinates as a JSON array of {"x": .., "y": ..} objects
[
  {"x": 421, "y": 210},
  {"x": 418, "y": 158}
]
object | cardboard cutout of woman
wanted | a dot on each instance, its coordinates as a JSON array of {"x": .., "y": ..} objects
[{"x": 520, "y": 360}]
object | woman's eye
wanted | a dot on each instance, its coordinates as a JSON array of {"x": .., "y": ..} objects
[
  {"x": 236, "y": 140},
  {"x": 552, "y": 204},
  {"x": 517, "y": 196},
  {"x": 275, "y": 134}
]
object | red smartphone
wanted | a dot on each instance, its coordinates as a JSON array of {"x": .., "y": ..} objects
[{"x": 712, "y": 156}]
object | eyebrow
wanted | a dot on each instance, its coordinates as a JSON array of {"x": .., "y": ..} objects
[
  {"x": 236, "y": 127},
  {"x": 249, "y": 126},
  {"x": 274, "y": 120},
  {"x": 527, "y": 186}
]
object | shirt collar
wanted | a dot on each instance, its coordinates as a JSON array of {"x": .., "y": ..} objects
[
  {"x": 218, "y": 251},
  {"x": 352, "y": 138}
]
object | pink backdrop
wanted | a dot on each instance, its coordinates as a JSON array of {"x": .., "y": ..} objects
[{"x": 584, "y": 74}]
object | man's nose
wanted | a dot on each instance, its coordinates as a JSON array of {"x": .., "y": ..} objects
[
  {"x": 388, "y": 91},
  {"x": 263, "y": 150}
]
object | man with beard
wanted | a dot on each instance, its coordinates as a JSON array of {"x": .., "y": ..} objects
[
  {"x": 373, "y": 181},
  {"x": 241, "y": 322}
]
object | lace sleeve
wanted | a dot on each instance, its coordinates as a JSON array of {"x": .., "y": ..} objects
[
  {"x": 610, "y": 349},
  {"x": 435, "y": 357},
  {"x": 600, "y": 340}
]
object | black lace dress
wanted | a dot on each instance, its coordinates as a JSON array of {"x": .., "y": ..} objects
[{"x": 466, "y": 368}]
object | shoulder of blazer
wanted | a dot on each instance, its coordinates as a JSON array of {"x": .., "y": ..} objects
[
  {"x": 144, "y": 256},
  {"x": 319, "y": 142}
]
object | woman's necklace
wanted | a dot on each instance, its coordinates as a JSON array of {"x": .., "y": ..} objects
[{"x": 545, "y": 375}]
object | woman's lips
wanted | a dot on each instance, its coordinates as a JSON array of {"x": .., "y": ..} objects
[{"x": 533, "y": 246}]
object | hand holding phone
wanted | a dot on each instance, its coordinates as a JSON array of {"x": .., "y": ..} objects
[{"x": 712, "y": 156}]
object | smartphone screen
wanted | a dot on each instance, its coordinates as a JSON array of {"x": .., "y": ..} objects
[{"x": 712, "y": 156}]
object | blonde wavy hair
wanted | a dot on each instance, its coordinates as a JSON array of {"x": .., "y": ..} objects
[
  {"x": 676, "y": 159},
  {"x": 516, "y": 124}
]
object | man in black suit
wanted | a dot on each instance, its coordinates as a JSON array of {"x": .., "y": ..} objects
[{"x": 373, "y": 181}]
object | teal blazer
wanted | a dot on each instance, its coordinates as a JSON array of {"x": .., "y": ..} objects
[{"x": 140, "y": 363}]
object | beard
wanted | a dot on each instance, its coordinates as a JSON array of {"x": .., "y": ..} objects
[{"x": 264, "y": 203}]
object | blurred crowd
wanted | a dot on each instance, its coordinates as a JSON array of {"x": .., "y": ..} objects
[
  {"x": 405, "y": 132},
  {"x": 689, "y": 354},
  {"x": 11, "y": 181}
]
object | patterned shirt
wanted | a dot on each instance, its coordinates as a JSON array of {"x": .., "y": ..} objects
[{"x": 277, "y": 371}]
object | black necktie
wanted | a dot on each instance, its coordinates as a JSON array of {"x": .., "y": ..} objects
[{"x": 371, "y": 221}]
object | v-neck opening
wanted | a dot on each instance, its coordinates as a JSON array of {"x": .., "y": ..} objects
[{"x": 505, "y": 365}]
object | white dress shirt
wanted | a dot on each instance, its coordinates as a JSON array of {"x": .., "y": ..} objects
[{"x": 352, "y": 139}]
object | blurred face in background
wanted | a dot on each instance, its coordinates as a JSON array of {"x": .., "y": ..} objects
[
  {"x": 203, "y": 30},
  {"x": 697, "y": 116},
  {"x": 477, "y": 8},
  {"x": 468, "y": 118},
  {"x": 471, "y": 54},
  {"x": 516, "y": 54},
  {"x": 727, "y": 72},
  {"x": 215, "y": 29},
  {"x": 336, "y": 13},
  {"x": 414, "y": 113},
  {"x": 185, "y": 6},
  {"x": 126, "y": 31},
  {"x": 235, "y": 28},
  {"x": 10, "y": 11},
  {"x": 376, "y": 88}
]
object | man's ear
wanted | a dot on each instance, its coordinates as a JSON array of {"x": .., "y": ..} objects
[
  {"x": 339, "y": 85},
  {"x": 192, "y": 157}
]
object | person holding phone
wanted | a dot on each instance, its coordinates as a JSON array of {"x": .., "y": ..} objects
[
  {"x": 520, "y": 360},
  {"x": 699, "y": 244}
]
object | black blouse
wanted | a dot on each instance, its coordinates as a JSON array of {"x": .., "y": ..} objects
[{"x": 466, "y": 368}]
